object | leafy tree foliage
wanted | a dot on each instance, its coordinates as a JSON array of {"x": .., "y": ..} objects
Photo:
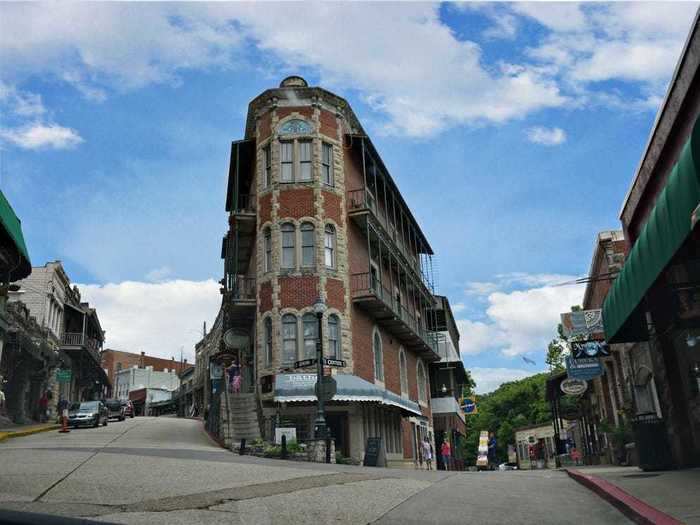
[{"x": 512, "y": 405}]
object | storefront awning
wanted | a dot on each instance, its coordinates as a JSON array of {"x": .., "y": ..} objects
[
  {"x": 12, "y": 231},
  {"x": 290, "y": 388},
  {"x": 666, "y": 229}
]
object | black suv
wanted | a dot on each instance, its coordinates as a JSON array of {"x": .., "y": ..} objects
[{"x": 115, "y": 409}]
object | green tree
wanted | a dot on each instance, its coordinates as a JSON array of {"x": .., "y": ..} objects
[{"x": 555, "y": 355}]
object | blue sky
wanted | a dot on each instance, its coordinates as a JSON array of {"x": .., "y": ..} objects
[{"x": 513, "y": 130}]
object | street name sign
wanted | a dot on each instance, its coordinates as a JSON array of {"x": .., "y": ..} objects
[
  {"x": 305, "y": 362},
  {"x": 584, "y": 368},
  {"x": 63, "y": 376},
  {"x": 333, "y": 362}
]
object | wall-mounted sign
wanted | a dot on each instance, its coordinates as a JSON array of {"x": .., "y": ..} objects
[
  {"x": 574, "y": 387},
  {"x": 236, "y": 338},
  {"x": 584, "y": 324},
  {"x": 584, "y": 368},
  {"x": 216, "y": 371},
  {"x": 469, "y": 405},
  {"x": 63, "y": 376},
  {"x": 571, "y": 413},
  {"x": 583, "y": 349}
]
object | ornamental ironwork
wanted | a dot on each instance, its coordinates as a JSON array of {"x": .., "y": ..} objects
[{"x": 295, "y": 126}]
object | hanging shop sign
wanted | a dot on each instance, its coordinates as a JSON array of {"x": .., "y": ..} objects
[
  {"x": 584, "y": 324},
  {"x": 571, "y": 413},
  {"x": 584, "y": 368},
  {"x": 236, "y": 338},
  {"x": 469, "y": 405},
  {"x": 573, "y": 387},
  {"x": 584, "y": 349}
]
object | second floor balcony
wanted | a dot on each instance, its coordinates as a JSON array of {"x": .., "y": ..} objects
[
  {"x": 80, "y": 341},
  {"x": 369, "y": 293},
  {"x": 240, "y": 294}
]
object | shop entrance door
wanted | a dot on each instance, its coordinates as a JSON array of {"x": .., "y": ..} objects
[{"x": 338, "y": 426}]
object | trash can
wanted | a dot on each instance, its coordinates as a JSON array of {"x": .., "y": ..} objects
[{"x": 651, "y": 442}]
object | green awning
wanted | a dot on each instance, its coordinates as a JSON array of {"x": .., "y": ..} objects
[
  {"x": 13, "y": 234},
  {"x": 663, "y": 234}
]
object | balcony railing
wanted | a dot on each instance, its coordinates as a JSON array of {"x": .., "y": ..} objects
[
  {"x": 245, "y": 204},
  {"x": 82, "y": 340},
  {"x": 243, "y": 287},
  {"x": 365, "y": 284}
]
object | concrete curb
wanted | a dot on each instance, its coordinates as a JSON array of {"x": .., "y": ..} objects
[
  {"x": 27, "y": 432},
  {"x": 634, "y": 508}
]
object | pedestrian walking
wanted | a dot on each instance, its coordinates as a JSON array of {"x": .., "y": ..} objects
[
  {"x": 492, "y": 450},
  {"x": 234, "y": 376},
  {"x": 43, "y": 408},
  {"x": 428, "y": 454},
  {"x": 446, "y": 452}
]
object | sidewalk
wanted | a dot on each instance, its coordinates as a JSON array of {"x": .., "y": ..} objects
[
  {"x": 668, "y": 497},
  {"x": 14, "y": 431}
]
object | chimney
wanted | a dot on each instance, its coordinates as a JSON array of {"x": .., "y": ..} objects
[{"x": 142, "y": 360}]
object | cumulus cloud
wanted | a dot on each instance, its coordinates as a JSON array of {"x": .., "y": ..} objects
[
  {"x": 546, "y": 136},
  {"x": 41, "y": 136},
  {"x": 489, "y": 379},
  {"x": 157, "y": 318}
]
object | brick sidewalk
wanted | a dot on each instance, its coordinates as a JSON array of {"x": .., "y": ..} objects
[{"x": 668, "y": 497}]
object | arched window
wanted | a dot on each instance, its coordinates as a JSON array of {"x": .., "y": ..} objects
[
  {"x": 289, "y": 339},
  {"x": 422, "y": 382},
  {"x": 403, "y": 371},
  {"x": 378, "y": 356},
  {"x": 288, "y": 246},
  {"x": 268, "y": 249},
  {"x": 268, "y": 341},
  {"x": 329, "y": 246},
  {"x": 310, "y": 335},
  {"x": 295, "y": 126},
  {"x": 307, "y": 245},
  {"x": 334, "y": 350}
]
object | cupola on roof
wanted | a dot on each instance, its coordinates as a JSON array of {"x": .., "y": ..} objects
[{"x": 294, "y": 81}]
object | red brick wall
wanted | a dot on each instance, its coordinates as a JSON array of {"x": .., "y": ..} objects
[
  {"x": 390, "y": 348},
  {"x": 331, "y": 207},
  {"x": 298, "y": 292},
  {"x": 265, "y": 125},
  {"x": 329, "y": 126},
  {"x": 353, "y": 171},
  {"x": 265, "y": 208},
  {"x": 411, "y": 363},
  {"x": 265, "y": 301},
  {"x": 358, "y": 257},
  {"x": 296, "y": 203},
  {"x": 306, "y": 111},
  {"x": 363, "y": 360},
  {"x": 335, "y": 291},
  {"x": 110, "y": 359}
]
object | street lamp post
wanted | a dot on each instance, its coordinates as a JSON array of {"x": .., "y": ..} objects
[{"x": 320, "y": 424}]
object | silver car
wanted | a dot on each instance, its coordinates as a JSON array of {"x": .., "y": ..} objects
[{"x": 88, "y": 414}]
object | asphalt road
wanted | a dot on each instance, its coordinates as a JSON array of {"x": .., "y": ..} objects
[{"x": 167, "y": 471}]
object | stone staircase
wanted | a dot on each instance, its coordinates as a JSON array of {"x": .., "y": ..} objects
[{"x": 240, "y": 419}]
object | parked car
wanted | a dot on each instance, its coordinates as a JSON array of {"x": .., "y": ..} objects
[
  {"x": 115, "y": 409},
  {"x": 128, "y": 408},
  {"x": 88, "y": 413}
]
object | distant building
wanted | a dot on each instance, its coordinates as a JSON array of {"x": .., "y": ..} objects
[
  {"x": 115, "y": 360},
  {"x": 537, "y": 443},
  {"x": 135, "y": 378}
]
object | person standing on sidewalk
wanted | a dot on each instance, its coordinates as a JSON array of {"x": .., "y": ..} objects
[
  {"x": 428, "y": 454},
  {"x": 445, "y": 452},
  {"x": 62, "y": 408}
]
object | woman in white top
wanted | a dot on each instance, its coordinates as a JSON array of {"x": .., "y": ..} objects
[{"x": 428, "y": 454}]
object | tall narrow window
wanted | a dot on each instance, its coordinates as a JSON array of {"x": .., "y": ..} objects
[
  {"x": 267, "y": 159},
  {"x": 403, "y": 371},
  {"x": 268, "y": 249},
  {"x": 268, "y": 341},
  {"x": 289, "y": 339},
  {"x": 307, "y": 245},
  {"x": 327, "y": 164},
  {"x": 287, "y": 161},
  {"x": 422, "y": 382},
  {"x": 334, "y": 351},
  {"x": 378, "y": 356},
  {"x": 305, "y": 160},
  {"x": 329, "y": 245},
  {"x": 310, "y": 335},
  {"x": 288, "y": 256}
]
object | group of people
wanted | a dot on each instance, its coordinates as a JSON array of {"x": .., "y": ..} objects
[{"x": 425, "y": 454}]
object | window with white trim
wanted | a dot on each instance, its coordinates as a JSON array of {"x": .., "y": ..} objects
[
  {"x": 288, "y": 245},
  {"x": 329, "y": 246},
  {"x": 268, "y": 341},
  {"x": 403, "y": 371},
  {"x": 287, "y": 161},
  {"x": 334, "y": 351},
  {"x": 267, "y": 159},
  {"x": 307, "y": 245},
  {"x": 378, "y": 356},
  {"x": 289, "y": 339},
  {"x": 310, "y": 323},
  {"x": 304, "y": 160},
  {"x": 422, "y": 381},
  {"x": 327, "y": 163}
]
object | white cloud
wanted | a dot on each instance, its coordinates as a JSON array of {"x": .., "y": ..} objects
[
  {"x": 157, "y": 318},
  {"x": 489, "y": 379},
  {"x": 41, "y": 136},
  {"x": 159, "y": 274},
  {"x": 521, "y": 312},
  {"x": 458, "y": 307},
  {"x": 546, "y": 136},
  {"x": 558, "y": 16}
]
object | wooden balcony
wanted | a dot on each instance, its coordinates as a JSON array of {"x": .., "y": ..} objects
[
  {"x": 369, "y": 294},
  {"x": 76, "y": 341},
  {"x": 241, "y": 299}
]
